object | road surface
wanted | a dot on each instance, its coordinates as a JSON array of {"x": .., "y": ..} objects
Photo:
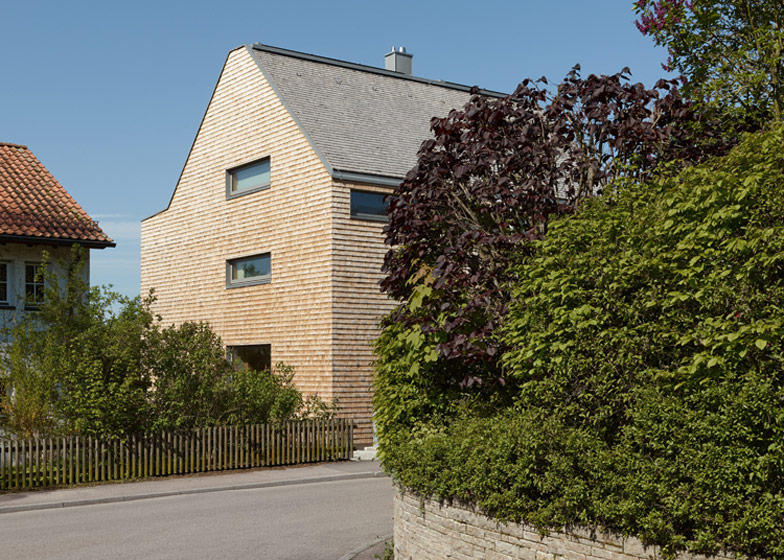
[{"x": 300, "y": 522}]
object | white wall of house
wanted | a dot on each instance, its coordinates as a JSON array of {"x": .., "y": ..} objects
[{"x": 15, "y": 258}]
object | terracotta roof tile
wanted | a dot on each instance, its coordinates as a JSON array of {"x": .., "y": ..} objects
[{"x": 34, "y": 204}]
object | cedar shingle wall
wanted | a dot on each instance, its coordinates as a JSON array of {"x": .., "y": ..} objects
[
  {"x": 320, "y": 311},
  {"x": 185, "y": 248},
  {"x": 358, "y": 304}
]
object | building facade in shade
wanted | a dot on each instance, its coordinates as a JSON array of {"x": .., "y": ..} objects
[
  {"x": 274, "y": 232},
  {"x": 37, "y": 215}
]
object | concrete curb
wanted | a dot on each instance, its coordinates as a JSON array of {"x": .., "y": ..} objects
[
  {"x": 354, "y": 553},
  {"x": 150, "y": 495}
]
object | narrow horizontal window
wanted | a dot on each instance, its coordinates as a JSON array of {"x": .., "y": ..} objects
[
  {"x": 248, "y": 178},
  {"x": 248, "y": 270},
  {"x": 369, "y": 206}
]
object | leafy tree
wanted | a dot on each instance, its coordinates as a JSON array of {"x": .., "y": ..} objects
[
  {"x": 74, "y": 364},
  {"x": 90, "y": 362},
  {"x": 730, "y": 50},
  {"x": 28, "y": 396},
  {"x": 646, "y": 341},
  {"x": 649, "y": 328},
  {"x": 257, "y": 397},
  {"x": 487, "y": 183},
  {"x": 187, "y": 364}
]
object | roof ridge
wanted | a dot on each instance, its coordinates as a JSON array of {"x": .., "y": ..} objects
[
  {"x": 11, "y": 144},
  {"x": 371, "y": 69}
]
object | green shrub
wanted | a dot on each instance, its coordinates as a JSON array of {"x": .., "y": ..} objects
[
  {"x": 647, "y": 346},
  {"x": 412, "y": 384},
  {"x": 90, "y": 362},
  {"x": 187, "y": 365},
  {"x": 259, "y": 397},
  {"x": 74, "y": 364}
]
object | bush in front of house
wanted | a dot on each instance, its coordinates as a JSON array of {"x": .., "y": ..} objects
[
  {"x": 92, "y": 362},
  {"x": 646, "y": 345}
]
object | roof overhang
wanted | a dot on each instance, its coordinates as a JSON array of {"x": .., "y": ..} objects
[
  {"x": 56, "y": 241},
  {"x": 365, "y": 178}
]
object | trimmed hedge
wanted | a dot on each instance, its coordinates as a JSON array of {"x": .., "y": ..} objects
[{"x": 648, "y": 341}]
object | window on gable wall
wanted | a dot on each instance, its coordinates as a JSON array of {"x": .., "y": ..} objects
[
  {"x": 34, "y": 285},
  {"x": 248, "y": 178},
  {"x": 246, "y": 271}
]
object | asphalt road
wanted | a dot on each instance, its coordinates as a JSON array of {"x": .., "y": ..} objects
[{"x": 300, "y": 522}]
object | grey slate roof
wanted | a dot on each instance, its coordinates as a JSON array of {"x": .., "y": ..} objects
[{"x": 361, "y": 119}]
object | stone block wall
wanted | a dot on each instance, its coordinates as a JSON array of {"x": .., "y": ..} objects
[{"x": 430, "y": 531}]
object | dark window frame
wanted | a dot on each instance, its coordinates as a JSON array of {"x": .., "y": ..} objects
[
  {"x": 253, "y": 280},
  {"x": 231, "y": 176},
  {"x": 5, "y": 283},
  {"x": 368, "y": 217}
]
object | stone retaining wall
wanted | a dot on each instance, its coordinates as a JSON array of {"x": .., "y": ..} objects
[{"x": 429, "y": 531}]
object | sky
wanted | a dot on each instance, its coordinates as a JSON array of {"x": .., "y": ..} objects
[{"x": 109, "y": 95}]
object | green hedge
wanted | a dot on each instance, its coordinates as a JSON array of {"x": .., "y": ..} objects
[{"x": 648, "y": 340}]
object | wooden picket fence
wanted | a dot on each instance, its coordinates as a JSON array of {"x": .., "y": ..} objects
[{"x": 59, "y": 461}]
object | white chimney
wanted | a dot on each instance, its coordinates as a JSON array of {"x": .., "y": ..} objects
[{"x": 398, "y": 60}]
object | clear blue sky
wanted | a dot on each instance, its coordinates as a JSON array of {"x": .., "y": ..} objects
[{"x": 109, "y": 95}]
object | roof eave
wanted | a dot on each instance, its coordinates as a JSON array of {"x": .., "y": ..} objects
[
  {"x": 366, "y": 178},
  {"x": 56, "y": 241}
]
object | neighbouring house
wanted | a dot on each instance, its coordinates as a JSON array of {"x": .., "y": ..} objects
[
  {"x": 274, "y": 232},
  {"x": 36, "y": 214}
]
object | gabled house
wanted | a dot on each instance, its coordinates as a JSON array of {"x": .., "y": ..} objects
[
  {"x": 274, "y": 232},
  {"x": 36, "y": 214}
]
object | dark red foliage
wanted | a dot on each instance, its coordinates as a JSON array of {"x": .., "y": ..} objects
[{"x": 490, "y": 178}]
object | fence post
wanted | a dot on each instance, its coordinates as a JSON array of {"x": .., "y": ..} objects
[
  {"x": 278, "y": 443},
  {"x": 265, "y": 442},
  {"x": 5, "y": 463},
  {"x": 16, "y": 463},
  {"x": 297, "y": 451},
  {"x": 319, "y": 440}
]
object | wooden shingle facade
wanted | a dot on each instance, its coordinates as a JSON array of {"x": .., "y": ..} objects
[{"x": 318, "y": 129}]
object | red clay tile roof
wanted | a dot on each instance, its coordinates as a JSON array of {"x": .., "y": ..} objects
[{"x": 34, "y": 205}]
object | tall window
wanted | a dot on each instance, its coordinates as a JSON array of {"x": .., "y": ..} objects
[
  {"x": 248, "y": 178},
  {"x": 34, "y": 285},
  {"x": 369, "y": 206},
  {"x": 248, "y": 270},
  {"x": 4, "y": 284}
]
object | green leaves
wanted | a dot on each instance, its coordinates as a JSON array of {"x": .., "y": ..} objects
[
  {"x": 646, "y": 367},
  {"x": 683, "y": 284},
  {"x": 487, "y": 183},
  {"x": 81, "y": 354},
  {"x": 730, "y": 50},
  {"x": 92, "y": 362}
]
